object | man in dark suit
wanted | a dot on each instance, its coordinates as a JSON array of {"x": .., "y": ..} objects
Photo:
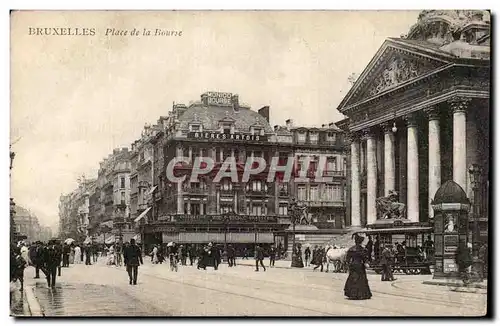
[
  {"x": 51, "y": 261},
  {"x": 386, "y": 261},
  {"x": 272, "y": 256},
  {"x": 259, "y": 258},
  {"x": 132, "y": 257}
]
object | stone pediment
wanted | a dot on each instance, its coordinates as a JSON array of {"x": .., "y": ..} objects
[{"x": 391, "y": 67}]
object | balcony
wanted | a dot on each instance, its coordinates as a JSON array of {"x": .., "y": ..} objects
[
  {"x": 257, "y": 193},
  {"x": 195, "y": 191},
  {"x": 333, "y": 173},
  {"x": 322, "y": 203}
]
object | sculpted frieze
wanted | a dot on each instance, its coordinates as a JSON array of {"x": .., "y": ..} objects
[{"x": 398, "y": 71}]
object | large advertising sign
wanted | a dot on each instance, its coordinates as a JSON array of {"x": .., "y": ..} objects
[{"x": 229, "y": 137}]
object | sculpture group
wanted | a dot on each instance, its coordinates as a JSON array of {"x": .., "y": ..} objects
[{"x": 389, "y": 207}]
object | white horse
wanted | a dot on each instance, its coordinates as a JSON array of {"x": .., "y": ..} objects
[{"x": 337, "y": 257}]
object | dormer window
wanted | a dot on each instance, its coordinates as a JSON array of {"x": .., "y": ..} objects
[
  {"x": 313, "y": 137},
  {"x": 331, "y": 137},
  {"x": 227, "y": 128},
  {"x": 301, "y": 136},
  {"x": 195, "y": 128},
  {"x": 257, "y": 131}
]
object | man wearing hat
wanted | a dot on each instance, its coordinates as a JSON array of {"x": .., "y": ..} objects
[
  {"x": 132, "y": 257},
  {"x": 51, "y": 261}
]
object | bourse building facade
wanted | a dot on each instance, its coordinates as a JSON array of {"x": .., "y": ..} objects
[
  {"x": 419, "y": 115},
  {"x": 239, "y": 213}
]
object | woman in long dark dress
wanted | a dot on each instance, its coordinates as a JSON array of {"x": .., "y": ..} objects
[{"x": 356, "y": 287}]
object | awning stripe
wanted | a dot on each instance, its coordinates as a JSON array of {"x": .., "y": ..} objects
[{"x": 142, "y": 215}]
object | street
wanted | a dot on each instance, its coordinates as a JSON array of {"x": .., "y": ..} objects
[{"x": 101, "y": 290}]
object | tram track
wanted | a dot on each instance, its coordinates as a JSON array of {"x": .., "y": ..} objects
[{"x": 336, "y": 289}]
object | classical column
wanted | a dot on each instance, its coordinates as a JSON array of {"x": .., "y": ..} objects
[
  {"x": 355, "y": 181},
  {"x": 434, "y": 154},
  {"x": 389, "y": 159},
  {"x": 371, "y": 176},
  {"x": 412, "y": 170},
  {"x": 459, "y": 105}
]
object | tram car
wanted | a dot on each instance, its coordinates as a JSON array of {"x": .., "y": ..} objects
[{"x": 415, "y": 257}]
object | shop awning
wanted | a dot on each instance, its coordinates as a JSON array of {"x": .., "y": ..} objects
[
  {"x": 152, "y": 190},
  {"x": 142, "y": 215}
]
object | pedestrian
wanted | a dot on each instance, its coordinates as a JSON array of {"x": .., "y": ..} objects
[
  {"x": 386, "y": 262},
  {"x": 318, "y": 258},
  {"x": 428, "y": 248},
  {"x": 51, "y": 262},
  {"x": 272, "y": 256},
  {"x": 154, "y": 255},
  {"x": 376, "y": 249},
  {"x": 184, "y": 254},
  {"x": 81, "y": 256},
  {"x": 18, "y": 264},
  {"x": 66, "y": 252},
  {"x": 231, "y": 253},
  {"x": 369, "y": 248},
  {"x": 132, "y": 257},
  {"x": 88, "y": 254},
  {"x": 307, "y": 255},
  {"x": 77, "y": 254},
  {"x": 245, "y": 253},
  {"x": 483, "y": 260},
  {"x": 259, "y": 258},
  {"x": 356, "y": 287}
]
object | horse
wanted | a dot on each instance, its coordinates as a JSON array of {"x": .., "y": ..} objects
[{"x": 336, "y": 256}]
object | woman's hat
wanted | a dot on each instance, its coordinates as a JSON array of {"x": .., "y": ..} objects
[{"x": 357, "y": 238}]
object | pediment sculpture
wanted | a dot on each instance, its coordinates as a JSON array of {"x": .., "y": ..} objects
[{"x": 398, "y": 71}]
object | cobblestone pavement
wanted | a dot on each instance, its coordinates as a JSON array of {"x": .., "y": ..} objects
[{"x": 241, "y": 291}]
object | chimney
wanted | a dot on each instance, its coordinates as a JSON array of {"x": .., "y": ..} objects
[
  {"x": 235, "y": 101},
  {"x": 116, "y": 151},
  {"x": 289, "y": 123},
  {"x": 276, "y": 128},
  {"x": 323, "y": 126},
  {"x": 264, "y": 111},
  {"x": 204, "y": 99},
  {"x": 331, "y": 124}
]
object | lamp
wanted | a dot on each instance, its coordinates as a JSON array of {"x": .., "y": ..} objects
[{"x": 394, "y": 128}]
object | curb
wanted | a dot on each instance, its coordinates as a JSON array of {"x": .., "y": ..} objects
[
  {"x": 456, "y": 284},
  {"x": 33, "y": 305}
]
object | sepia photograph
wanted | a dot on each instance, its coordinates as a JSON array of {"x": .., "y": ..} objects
[{"x": 328, "y": 163}]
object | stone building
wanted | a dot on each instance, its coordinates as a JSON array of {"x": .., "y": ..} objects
[
  {"x": 110, "y": 202},
  {"x": 220, "y": 126},
  {"x": 27, "y": 224},
  {"x": 419, "y": 115}
]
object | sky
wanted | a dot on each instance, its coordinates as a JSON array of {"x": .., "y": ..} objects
[{"x": 75, "y": 98}]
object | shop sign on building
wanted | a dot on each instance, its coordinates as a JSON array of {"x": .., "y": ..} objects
[
  {"x": 219, "y": 98},
  {"x": 225, "y": 136},
  {"x": 222, "y": 218}
]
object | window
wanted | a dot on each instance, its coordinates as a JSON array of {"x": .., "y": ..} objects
[
  {"x": 337, "y": 193},
  {"x": 122, "y": 182},
  {"x": 301, "y": 192},
  {"x": 195, "y": 209},
  {"x": 257, "y": 154},
  {"x": 331, "y": 136},
  {"x": 313, "y": 193},
  {"x": 329, "y": 192},
  {"x": 256, "y": 131},
  {"x": 195, "y": 128},
  {"x": 225, "y": 154},
  {"x": 226, "y": 185},
  {"x": 226, "y": 129},
  {"x": 257, "y": 210},
  {"x": 203, "y": 152},
  {"x": 301, "y": 137},
  {"x": 195, "y": 152},
  {"x": 123, "y": 198},
  {"x": 330, "y": 164},
  {"x": 283, "y": 209},
  {"x": 283, "y": 189},
  {"x": 313, "y": 137},
  {"x": 345, "y": 165}
]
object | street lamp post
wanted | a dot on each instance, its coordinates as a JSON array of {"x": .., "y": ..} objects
[
  {"x": 294, "y": 211},
  {"x": 474, "y": 173},
  {"x": 226, "y": 221}
]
